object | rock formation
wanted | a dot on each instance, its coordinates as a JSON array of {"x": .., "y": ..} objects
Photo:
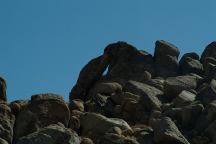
[{"x": 124, "y": 96}]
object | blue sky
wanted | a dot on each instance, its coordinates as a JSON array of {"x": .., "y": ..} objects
[{"x": 45, "y": 43}]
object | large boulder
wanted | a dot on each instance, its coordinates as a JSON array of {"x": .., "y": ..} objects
[
  {"x": 128, "y": 63},
  {"x": 52, "y": 134},
  {"x": 3, "y": 87},
  {"x": 7, "y": 120},
  {"x": 88, "y": 76},
  {"x": 96, "y": 125},
  {"x": 210, "y": 51},
  {"x": 165, "y": 131},
  {"x": 166, "y": 58},
  {"x": 42, "y": 110},
  {"x": 207, "y": 93},
  {"x": 175, "y": 85},
  {"x": 207, "y": 117},
  {"x": 148, "y": 94}
]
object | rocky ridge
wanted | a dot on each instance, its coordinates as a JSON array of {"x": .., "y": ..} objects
[{"x": 124, "y": 96}]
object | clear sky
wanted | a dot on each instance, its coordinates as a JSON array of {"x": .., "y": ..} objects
[{"x": 45, "y": 43}]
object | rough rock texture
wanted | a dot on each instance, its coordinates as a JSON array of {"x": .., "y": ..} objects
[
  {"x": 42, "y": 110},
  {"x": 95, "y": 125},
  {"x": 124, "y": 96},
  {"x": 3, "y": 89},
  {"x": 166, "y": 59},
  {"x": 52, "y": 134},
  {"x": 7, "y": 120},
  {"x": 165, "y": 131}
]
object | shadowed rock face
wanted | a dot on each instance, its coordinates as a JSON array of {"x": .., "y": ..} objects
[
  {"x": 124, "y": 96},
  {"x": 3, "y": 89}
]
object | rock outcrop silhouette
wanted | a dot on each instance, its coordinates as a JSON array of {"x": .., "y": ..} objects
[{"x": 124, "y": 96}]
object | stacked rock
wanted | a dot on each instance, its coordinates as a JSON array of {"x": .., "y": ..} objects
[
  {"x": 141, "y": 99},
  {"x": 166, "y": 59}
]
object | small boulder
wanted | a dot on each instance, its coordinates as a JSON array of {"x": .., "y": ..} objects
[
  {"x": 190, "y": 65},
  {"x": 184, "y": 98},
  {"x": 148, "y": 94},
  {"x": 18, "y": 105},
  {"x": 165, "y": 131},
  {"x": 95, "y": 125},
  {"x": 51, "y": 134},
  {"x": 76, "y": 104},
  {"x": 106, "y": 88},
  {"x": 86, "y": 141}
]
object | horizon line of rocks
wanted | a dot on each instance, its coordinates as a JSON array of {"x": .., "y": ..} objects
[{"x": 124, "y": 96}]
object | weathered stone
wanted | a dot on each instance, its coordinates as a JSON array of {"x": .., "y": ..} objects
[
  {"x": 148, "y": 94},
  {"x": 190, "y": 114},
  {"x": 115, "y": 130},
  {"x": 110, "y": 138},
  {"x": 119, "y": 98},
  {"x": 95, "y": 125},
  {"x": 143, "y": 134},
  {"x": 192, "y": 55},
  {"x": 18, "y": 105},
  {"x": 74, "y": 123},
  {"x": 175, "y": 85},
  {"x": 7, "y": 120},
  {"x": 86, "y": 141},
  {"x": 76, "y": 113},
  {"x": 43, "y": 110},
  {"x": 165, "y": 131},
  {"x": 166, "y": 58},
  {"x": 190, "y": 65},
  {"x": 52, "y": 134},
  {"x": 210, "y": 131},
  {"x": 207, "y": 93},
  {"x": 157, "y": 83},
  {"x": 3, "y": 87},
  {"x": 88, "y": 76},
  {"x": 127, "y": 63},
  {"x": 184, "y": 98},
  {"x": 207, "y": 117},
  {"x": 106, "y": 88},
  {"x": 210, "y": 51},
  {"x": 76, "y": 104},
  {"x": 208, "y": 60},
  {"x": 165, "y": 48}
]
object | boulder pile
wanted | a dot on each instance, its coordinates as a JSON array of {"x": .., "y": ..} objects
[{"x": 124, "y": 96}]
